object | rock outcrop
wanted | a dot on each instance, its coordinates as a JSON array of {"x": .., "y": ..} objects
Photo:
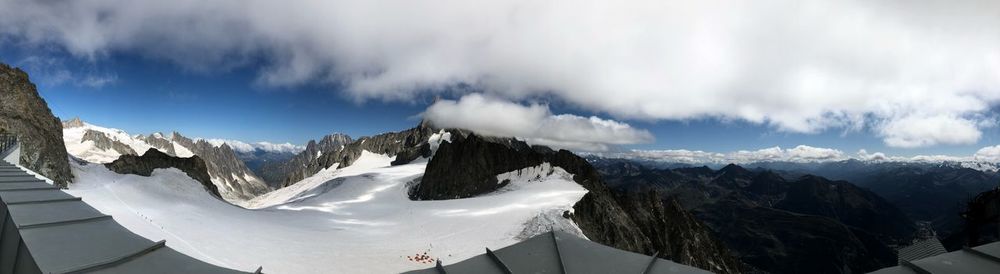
[
  {"x": 467, "y": 166},
  {"x": 24, "y": 113},
  {"x": 406, "y": 143},
  {"x": 230, "y": 172},
  {"x": 153, "y": 159},
  {"x": 278, "y": 174},
  {"x": 102, "y": 141},
  {"x": 157, "y": 141},
  {"x": 75, "y": 122}
]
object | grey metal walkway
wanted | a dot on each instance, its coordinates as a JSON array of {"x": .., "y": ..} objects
[
  {"x": 559, "y": 252},
  {"x": 980, "y": 259},
  {"x": 45, "y": 230}
]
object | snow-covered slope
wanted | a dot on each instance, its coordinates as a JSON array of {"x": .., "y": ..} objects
[
  {"x": 236, "y": 183},
  {"x": 88, "y": 151},
  {"x": 357, "y": 219}
]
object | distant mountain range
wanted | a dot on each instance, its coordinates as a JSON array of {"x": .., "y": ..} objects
[
  {"x": 96, "y": 144},
  {"x": 806, "y": 224},
  {"x": 778, "y": 217},
  {"x": 932, "y": 193}
]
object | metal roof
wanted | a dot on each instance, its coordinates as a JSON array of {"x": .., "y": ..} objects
[
  {"x": 560, "y": 252},
  {"x": 45, "y": 230},
  {"x": 980, "y": 259},
  {"x": 922, "y": 249}
]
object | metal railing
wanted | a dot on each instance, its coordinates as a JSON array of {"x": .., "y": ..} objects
[{"x": 7, "y": 141}]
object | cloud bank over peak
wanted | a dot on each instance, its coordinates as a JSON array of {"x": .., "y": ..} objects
[
  {"x": 798, "y": 154},
  {"x": 915, "y": 74},
  {"x": 240, "y": 146},
  {"x": 534, "y": 123},
  {"x": 801, "y": 153}
]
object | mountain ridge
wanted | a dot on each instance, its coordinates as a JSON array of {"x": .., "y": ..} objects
[{"x": 774, "y": 223}]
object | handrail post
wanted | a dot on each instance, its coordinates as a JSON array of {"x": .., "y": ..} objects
[{"x": 7, "y": 141}]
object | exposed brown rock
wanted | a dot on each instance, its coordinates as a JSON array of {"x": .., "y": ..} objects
[{"x": 24, "y": 113}]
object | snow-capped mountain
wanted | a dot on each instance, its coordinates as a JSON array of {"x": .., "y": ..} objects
[
  {"x": 96, "y": 144},
  {"x": 244, "y": 147},
  {"x": 341, "y": 150},
  {"x": 310, "y": 226},
  {"x": 262, "y": 157},
  {"x": 985, "y": 159},
  {"x": 276, "y": 171},
  {"x": 371, "y": 196}
]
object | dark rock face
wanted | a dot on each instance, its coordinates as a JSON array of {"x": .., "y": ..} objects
[
  {"x": 929, "y": 193},
  {"x": 160, "y": 143},
  {"x": 239, "y": 182},
  {"x": 24, "y": 113},
  {"x": 475, "y": 163},
  {"x": 675, "y": 232},
  {"x": 277, "y": 173},
  {"x": 809, "y": 224},
  {"x": 779, "y": 241},
  {"x": 153, "y": 159},
  {"x": 103, "y": 142},
  {"x": 392, "y": 143},
  {"x": 467, "y": 166}
]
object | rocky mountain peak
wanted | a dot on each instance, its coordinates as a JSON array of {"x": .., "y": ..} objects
[
  {"x": 340, "y": 149},
  {"x": 467, "y": 166},
  {"x": 102, "y": 141},
  {"x": 733, "y": 170},
  {"x": 335, "y": 140},
  {"x": 24, "y": 113},
  {"x": 75, "y": 122}
]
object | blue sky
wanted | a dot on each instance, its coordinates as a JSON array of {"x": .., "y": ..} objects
[
  {"x": 150, "y": 96},
  {"x": 900, "y": 78}
]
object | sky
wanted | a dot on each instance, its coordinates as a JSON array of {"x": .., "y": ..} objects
[{"x": 904, "y": 78}]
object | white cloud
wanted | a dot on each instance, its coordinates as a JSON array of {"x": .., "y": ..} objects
[
  {"x": 987, "y": 158},
  {"x": 676, "y": 155},
  {"x": 55, "y": 72},
  {"x": 990, "y": 154},
  {"x": 920, "y": 132},
  {"x": 801, "y": 154},
  {"x": 797, "y": 66},
  {"x": 240, "y": 146},
  {"x": 876, "y": 157},
  {"x": 808, "y": 153},
  {"x": 535, "y": 123}
]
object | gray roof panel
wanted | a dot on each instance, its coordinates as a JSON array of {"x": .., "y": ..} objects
[
  {"x": 10, "y": 197},
  {"x": 961, "y": 261},
  {"x": 31, "y": 214},
  {"x": 50, "y": 231},
  {"x": 550, "y": 252},
  {"x": 587, "y": 256},
  {"x": 68, "y": 247},
  {"x": 958, "y": 262},
  {"x": 992, "y": 249},
  {"x": 162, "y": 261},
  {"x": 23, "y": 178},
  {"x": 25, "y": 186},
  {"x": 534, "y": 255},
  {"x": 477, "y": 264}
]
